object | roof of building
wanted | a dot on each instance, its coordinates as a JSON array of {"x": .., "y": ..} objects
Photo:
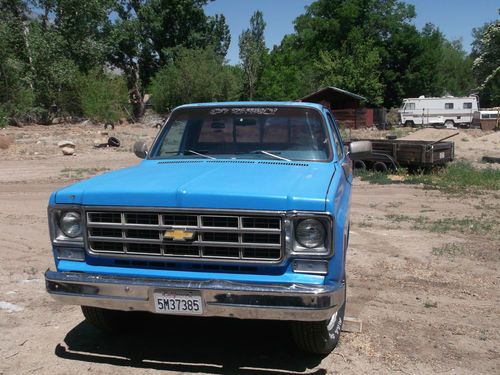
[{"x": 338, "y": 98}]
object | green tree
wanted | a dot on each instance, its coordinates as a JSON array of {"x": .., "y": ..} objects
[
  {"x": 218, "y": 34},
  {"x": 423, "y": 75},
  {"x": 486, "y": 66},
  {"x": 385, "y": 24},
  {"x": 47, "y": 45},
  {"x": 146, "y": 34},
  {"x": 16, "y": 94},
  {"x": 283, "y": 75},
  {"x": 54, "y": 74},
  {"x": 197, "y": 75},
  {"x": 367, "y": 46},
  {"x": 102, "y": 96},
  {"x": 81, "y": 27},
  {"x": 252, "y": 51},
  {"x": 456, "y": 67},
  {"x": 353, "y": 67}
]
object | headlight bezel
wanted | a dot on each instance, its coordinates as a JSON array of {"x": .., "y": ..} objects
[
  {"x": 294, "y": 248},
  {"x": 57, "y": 235}
]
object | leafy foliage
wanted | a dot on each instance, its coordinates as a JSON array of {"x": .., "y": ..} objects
[
  {"x": 486, "y": 65},
  {"x": 197, "y": 75},
  {"x": 283, "y": 77},
  {"x": 44, "y": 55},
  {"x": 370, "y": 47},
  {"x": 252, "y": 50},
  {"x": 15, "y": 94},
  {"x": 147, "y": 33},
  {"x": 103, "y": 96},
  {"x": 354, "y": 67}
]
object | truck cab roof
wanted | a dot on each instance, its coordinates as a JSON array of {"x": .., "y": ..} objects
[{"x": 253, "y": 104}]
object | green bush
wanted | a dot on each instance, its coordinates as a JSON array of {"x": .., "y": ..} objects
[
  {"x": 102, "y": 96},
  {"x": 16, "y": 95},
  {"x": 19, "y": 107},
  {"x": 197, "y": 75}
]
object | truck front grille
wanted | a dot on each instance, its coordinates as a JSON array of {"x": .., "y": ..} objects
[{"x": 214, "y": 236}]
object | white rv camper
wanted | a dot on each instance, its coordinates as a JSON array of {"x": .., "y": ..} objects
[{"x": 448, "y": 111}]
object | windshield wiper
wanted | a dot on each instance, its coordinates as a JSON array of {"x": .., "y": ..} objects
[
  {"x": 271, "y": 154},
  {"x": 199, "y": 154}
]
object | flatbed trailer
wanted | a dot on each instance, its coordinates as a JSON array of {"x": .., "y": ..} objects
[{"x": 394, "y": 153}]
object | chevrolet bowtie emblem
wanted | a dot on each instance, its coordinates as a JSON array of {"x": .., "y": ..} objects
[{"x": 178, "y": 235}]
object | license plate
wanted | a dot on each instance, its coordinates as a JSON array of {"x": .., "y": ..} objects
[{"x": 178, "y": 303}]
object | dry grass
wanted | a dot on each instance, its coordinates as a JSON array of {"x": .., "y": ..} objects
[{"x": 5, "y": 142}]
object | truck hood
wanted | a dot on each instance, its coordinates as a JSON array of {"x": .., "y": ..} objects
[{"x": 225, "y": 184}]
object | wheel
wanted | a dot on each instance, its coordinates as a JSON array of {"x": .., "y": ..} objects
[
  {"x": 359, "y": 164},
  {"x": 109, "y": 321},
  {"x": 319, "y": 337},
  {"x": 409, "y": 123},
  {"x": 438, "y": 126},
  {"x": 379, "y": 166},
  {"x": 449, "y": 124},
  {"x": 490, "y": 159},
  {"x": 113, "y": 142}
]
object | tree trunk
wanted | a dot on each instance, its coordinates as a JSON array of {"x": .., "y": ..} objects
[{"x": 135, "y": 93}]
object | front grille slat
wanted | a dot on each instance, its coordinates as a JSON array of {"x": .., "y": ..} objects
[
  {"x": 254, "y": 238},
  {"x": 181, "y": 220},
  {"x": 219, "y": 221},
  {"x": 223, "y": 252},
  {"x": 219, "y": 237},
  {"x": 141, "y": 218}
]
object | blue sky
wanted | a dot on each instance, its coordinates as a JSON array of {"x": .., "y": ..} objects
[{"x": 455, "y": 18}]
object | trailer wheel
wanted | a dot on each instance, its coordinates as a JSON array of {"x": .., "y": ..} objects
[
  {"x": 409, "y": 123},
  {"x": 380, "y": 167},
  {"x": 359, "y": 165},
  {"x": 449, "y": 123}
]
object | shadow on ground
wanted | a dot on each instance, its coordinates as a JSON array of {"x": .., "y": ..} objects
[{"x": 182, "y": 344}]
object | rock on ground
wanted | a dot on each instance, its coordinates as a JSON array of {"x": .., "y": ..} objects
[{"x": 68, "y": 150}]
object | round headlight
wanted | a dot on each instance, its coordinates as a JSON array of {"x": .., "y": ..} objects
[
  {"x": 71, "y": 224},
  {"x": 310, "y": 233}
]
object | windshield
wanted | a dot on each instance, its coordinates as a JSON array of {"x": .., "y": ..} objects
[{"x": 284, "y": 133}]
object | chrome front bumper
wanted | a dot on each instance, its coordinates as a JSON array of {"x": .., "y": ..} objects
[{"x": 302, "y": 302}]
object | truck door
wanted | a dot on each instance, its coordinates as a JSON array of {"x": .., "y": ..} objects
[
  {"x": 339, "y": 199},
  {"x": 344, "y": 160}
]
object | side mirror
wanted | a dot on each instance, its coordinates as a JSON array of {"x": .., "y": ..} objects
[
  {"x": 140, "y": 149},
  {"x": 360, "y": 149}
]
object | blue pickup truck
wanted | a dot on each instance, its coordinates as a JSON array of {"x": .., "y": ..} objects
[{"x": 238, "y": 210}]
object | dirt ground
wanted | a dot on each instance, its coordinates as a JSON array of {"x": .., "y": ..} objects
[{"x": 423, "y": 275}]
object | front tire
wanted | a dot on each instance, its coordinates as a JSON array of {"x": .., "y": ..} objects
[
  {"x": 319, "y": 337},
  {"x": 109, "y": 321}
]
